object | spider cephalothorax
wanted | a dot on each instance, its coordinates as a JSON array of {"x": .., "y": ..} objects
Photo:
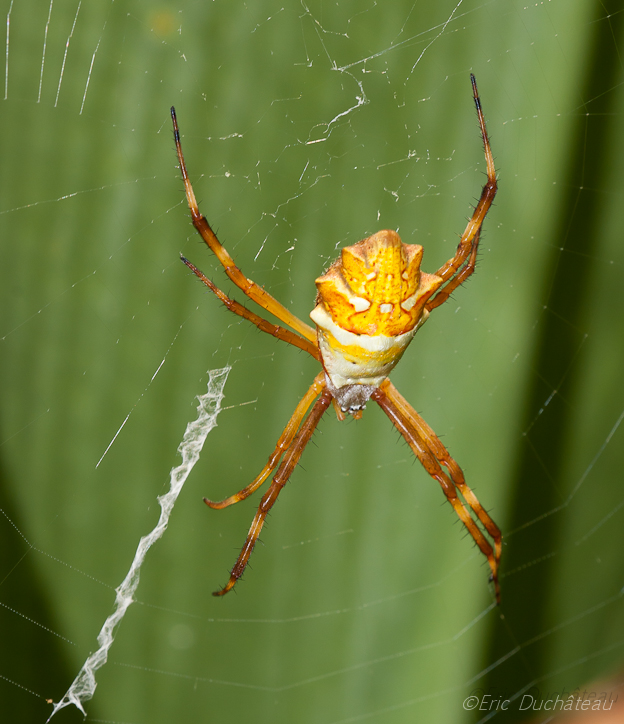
[{"x": 369, "y": 305}]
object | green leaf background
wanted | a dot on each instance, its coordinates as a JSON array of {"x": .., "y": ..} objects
[{"x": 306, "y": 127}]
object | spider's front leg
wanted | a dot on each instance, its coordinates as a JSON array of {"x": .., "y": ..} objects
[
  {"x": 454, "y": 273},
  {"x": 263, "y": 325},
  {"x": 249, "y": 287}
]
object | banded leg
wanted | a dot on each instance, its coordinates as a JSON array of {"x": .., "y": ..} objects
[
  {"x": 434, "y": 444},
  {"x": 285, "y": 470},
  {"x": 283, "y": 444},
  {"x": 470, "y": 238},
  {"x": 432, "y": 466},
  {"x": 249, "y": 287},
  {"x": 263, "y": 325},
  {"x": 446, "y": 291}
]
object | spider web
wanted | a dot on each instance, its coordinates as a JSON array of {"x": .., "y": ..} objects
[{"x": 306, "y": 127}]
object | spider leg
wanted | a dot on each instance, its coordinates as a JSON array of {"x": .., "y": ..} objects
[
  {"x": 249, "y": 287},
  {"x": 445, "y": 292},
  {"x": 470, "y": 238},
  {"x": 283, "y": 444},
  {"x": 432, "y": 466},
  {"x": 435, "y": 445},
  {"x": 285, "y": 470},
  {"x": 265, "y": 326}
]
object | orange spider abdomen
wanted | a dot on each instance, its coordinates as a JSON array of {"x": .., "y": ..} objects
[{"x": 370, "y": 303}]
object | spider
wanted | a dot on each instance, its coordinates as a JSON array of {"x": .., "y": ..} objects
[{"x": 369, "y": 304}]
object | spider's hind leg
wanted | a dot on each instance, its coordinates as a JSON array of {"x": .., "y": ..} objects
[
  {"x": 282, "y": 446},
  {"x": 443, "y": 456},
  {"x": 285, "y": 470},
  {"x": 407, "y": 421}
]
